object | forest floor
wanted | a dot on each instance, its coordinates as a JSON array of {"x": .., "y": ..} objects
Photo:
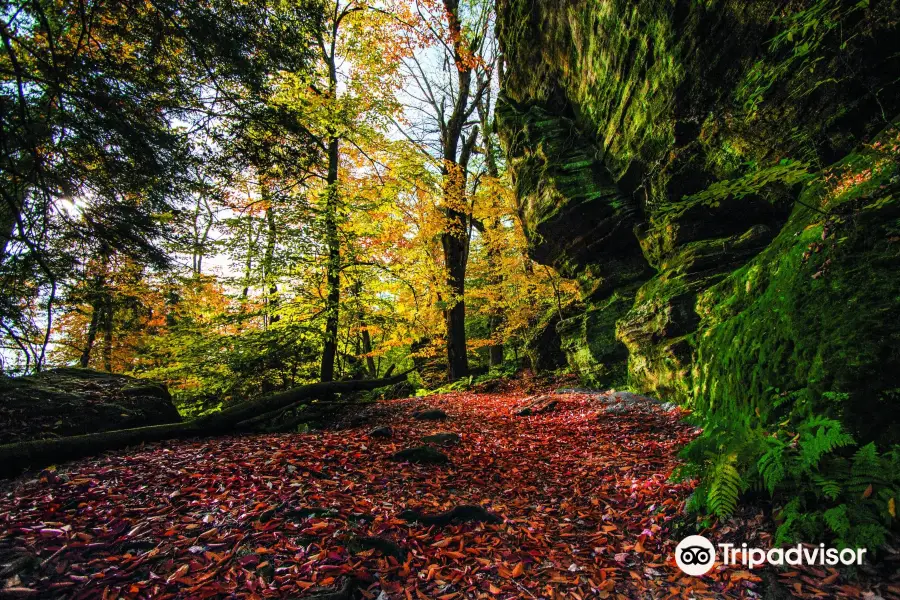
[{"x": 579, "y": 493}]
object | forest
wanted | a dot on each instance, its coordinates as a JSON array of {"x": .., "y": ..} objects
[{"x": 416, "y": 299}]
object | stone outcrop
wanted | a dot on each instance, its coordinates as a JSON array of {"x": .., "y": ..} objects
[{"x": 722, "y": 180}]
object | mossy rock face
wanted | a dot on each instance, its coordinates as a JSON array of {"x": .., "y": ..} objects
[
  {"x": 673, "y": 158},
  {"x": 544, "y": 347},
  {"x": 677, "y": 95},
  {"x": 816, "y": 311},
  {"x": 70, "y": 401},
  {"x": 571, "y": 209},
  {"x": 589, "y": 341}
]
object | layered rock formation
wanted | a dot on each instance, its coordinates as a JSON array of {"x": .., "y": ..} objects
[{"x": 721, "y": 177}]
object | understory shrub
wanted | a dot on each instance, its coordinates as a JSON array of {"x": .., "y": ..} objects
[{"x": 825, "y": 486}]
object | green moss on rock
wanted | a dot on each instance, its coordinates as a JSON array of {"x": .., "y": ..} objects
[
  {"x": 672, "y": 156},
  {"x": 589, "y": 341},
  {"x": 815, "y": 312}
]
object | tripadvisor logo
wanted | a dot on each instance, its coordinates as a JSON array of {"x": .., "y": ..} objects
[{"x": 695, "y": 555}]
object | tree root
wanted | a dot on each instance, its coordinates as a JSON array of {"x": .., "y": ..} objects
[
  {"x": 464, "y": 513},
  {"x": 425, "y": 455}
]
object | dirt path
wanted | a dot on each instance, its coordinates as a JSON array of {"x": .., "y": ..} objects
[{"x": 582, "y": 493}]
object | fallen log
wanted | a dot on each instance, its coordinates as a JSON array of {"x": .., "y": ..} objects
[{"x": 15, "y": 458}]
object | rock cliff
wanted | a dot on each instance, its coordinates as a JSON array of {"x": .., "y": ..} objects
[{"x": 722, "y": 179}]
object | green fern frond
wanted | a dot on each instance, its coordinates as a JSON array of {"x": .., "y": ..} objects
[
  {"x": 837, "y": 520},
  {"x": 725, "y": 486},
  {"x": 830, "y": 488},
  {"x": 820, "y": 436},
  {"x": 771, "y": 467}
]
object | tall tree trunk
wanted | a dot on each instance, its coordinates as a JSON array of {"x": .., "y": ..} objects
[
  {"x": 495, "y": 353},
  {"x": 455, "y": 245},
  {"x": 107, "y": 332},
  {"x": 269, "y": 268},
  {"x": 367, "y": 349},
  {"x": 96, "y": 314},
  {"x": 248, "y": 264},
  {"x": 91, "y": 335},
  {"x": 495, "y": 321},
  {"x": 456, "y": 149},
  {"x": 333, "y": 265}
]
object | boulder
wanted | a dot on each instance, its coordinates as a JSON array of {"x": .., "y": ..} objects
[
  {"x": 71, "y": 401},
  {"x": 381, "y": 432}
]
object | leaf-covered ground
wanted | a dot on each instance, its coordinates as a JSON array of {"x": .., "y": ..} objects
[{"x": 583, "y": 493}]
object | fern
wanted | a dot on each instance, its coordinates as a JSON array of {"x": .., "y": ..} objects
[
  {"x": 830, "y": 488},
  {"x": 798, "y": 454},
  {"x": 771, "y": 466},
  {"x": 820, "y": 436},
  {"x": 725, "y": 486},
  {"x": 837, "y": 520}
]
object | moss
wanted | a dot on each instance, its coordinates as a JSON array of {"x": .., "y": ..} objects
[
  {"x": 589, "y": 341},
  {"x": 558, "y": 181},
  {"x": 678, "y": 95},
  {"x": 694, "y": 127},
  {"x": 812, "y": 313}
]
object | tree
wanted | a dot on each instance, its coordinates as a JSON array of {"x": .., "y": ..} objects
[
  {"x": 93, "y": 107},
  {"x": 344, "y": 101},
  {"x": 446, "y": 95}
]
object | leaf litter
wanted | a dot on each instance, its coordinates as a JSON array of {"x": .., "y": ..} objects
[{"x": 579, "y": 501}]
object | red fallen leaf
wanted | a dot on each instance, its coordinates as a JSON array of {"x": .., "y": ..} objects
[
  {"x": 519, "y": 570},
  {"x": 249, "y": 560},
  {"x": 180, "y": 572},
  {"x": 573, "y": 493}
]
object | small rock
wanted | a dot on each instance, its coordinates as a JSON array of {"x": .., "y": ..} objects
[
  {"x": 310, "y": 511},
  {"x": 430, "y": 414},
  {"x": 629, "y": 398},
  {"x": 347, "y": 591},
  {"x": 578, "y": 390},
  {"x": 382, "y": 432},
  {"x": 668, "y": 406},
  {"x": 426, "y": 455},
  {"x": 442, "y": 438}
]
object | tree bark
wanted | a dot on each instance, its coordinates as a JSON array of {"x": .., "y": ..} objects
[
  {"x": 108, "y": 313},
  {"x": 14, "y": 458},
  {"x": 91, "y": 335},
  {"x": 496, "y": 348},
  {"x": 455, "y": 249},
  {"x": 269, "y": 267},
  {"x": 333, "y": 266},
  {"x": 367, "y": 349}
]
